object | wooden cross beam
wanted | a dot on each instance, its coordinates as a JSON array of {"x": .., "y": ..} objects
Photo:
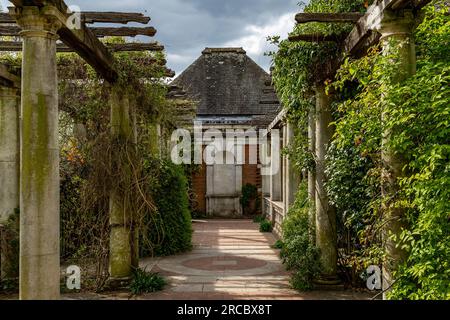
[
  {"x": 15, "y": 46},
  {"x": 366, "y": 26},
  {"x": 89, "y": 17},
  {"x": 83, "y": 41},
  {"x": 352, "y": 17},
  {"x": 14, "y": 31},
  {"x": 316, "y": 38},
  {"x": 114, "y": 17}
]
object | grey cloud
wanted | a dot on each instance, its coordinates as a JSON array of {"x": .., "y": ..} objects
[{"x": 185, "y": 27}]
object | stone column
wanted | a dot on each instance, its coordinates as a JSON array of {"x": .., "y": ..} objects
[
  {"x": 120, "y": 248},
  {"x": 312, "y": 172},
  {"x": 39, "y": 199},
  {"x": 9, "y": 152},
  {"x": 292, "y": 176},
  {"x": 9, "y": 170},
  {"x": 135, "y": 139},
  {"x": 326, "y": 236},
  {"x": 275, "y": 163},
  {"x": 397, "y": 40}
]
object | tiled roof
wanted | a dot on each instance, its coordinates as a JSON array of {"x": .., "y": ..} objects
[{"x": 225, "y": 81}]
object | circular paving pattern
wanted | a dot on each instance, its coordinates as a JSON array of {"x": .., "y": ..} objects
[
  {"x": 224, "y": 263},
  {"x": 214, "y": 264}
]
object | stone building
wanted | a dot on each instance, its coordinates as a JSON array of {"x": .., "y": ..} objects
[{"x": 233, "y": 93}]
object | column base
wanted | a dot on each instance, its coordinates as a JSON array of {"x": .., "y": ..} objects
[
  {"x": 116, "y": 284},
  {"x": 328, "y": 283}
]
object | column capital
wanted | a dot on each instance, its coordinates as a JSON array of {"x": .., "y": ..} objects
[
  {"x": 39, "y": 22},
  {"x": 396, "y": 23}
]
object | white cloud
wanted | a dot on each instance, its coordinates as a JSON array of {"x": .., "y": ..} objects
[{"x": 255, "y": 42}]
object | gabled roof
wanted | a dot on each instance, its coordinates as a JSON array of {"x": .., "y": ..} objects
[{"x": 226, "y": 82}]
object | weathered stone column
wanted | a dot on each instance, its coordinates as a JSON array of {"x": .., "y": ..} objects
[
  {"x": 397, "y": 40},
  {"x": 275, "y": 163},
  {"x": 135, "y": 229},
  {"x": 326, "y": 236},
  {"x": 39, "y": 199},
  {"x": 9, "y": 152},
  {"x": 292, "y": 176},
  {"x": 312, "y": 173},
  {"x": 120, "y": 248},
  {"x": 9, "y": 169}
]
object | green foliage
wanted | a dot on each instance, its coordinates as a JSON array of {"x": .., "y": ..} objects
[
  {"x": 95, "y": 164},
  {"x": 249, "y": 196},
  {"x": 299, "y": 254},
  {"x": 421, "y": 130},
  {"x": 298, "y": 66},
  {"x": 171, "y": 228},
  {"x": 371, "y": 98},
  {"x": 144, "y": 282},
  {"x": 265, "y": 226},
  {"x": 259, "y": 219},
  {"x": 278, "y": 245},
  {"x": 416, "y": 113}
]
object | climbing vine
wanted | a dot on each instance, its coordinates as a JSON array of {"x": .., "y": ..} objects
[
  {"x": 416, "y": 112},
  {"x": 96, "y": 164}
]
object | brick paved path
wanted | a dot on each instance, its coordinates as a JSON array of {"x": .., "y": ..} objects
[{"x": 231, "y": 259}]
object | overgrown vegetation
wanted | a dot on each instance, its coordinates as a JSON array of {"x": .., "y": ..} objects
[
  {"x": 171, "y": 230},
  {"x": 265, "y": 226},
  {"x": 96, "y": 164},
  {"x": 416, "y": 112},
  {"x": 145, "y": 282},
  {"x": 298, "y": 251}
]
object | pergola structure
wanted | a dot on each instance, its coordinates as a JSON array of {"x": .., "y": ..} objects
[
  {"x": 29, "y": 151},
  {"x": 389, "y": 22}
]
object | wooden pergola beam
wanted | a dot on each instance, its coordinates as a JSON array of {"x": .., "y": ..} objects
[
  {"x": 153, "y": 46},
  {"x": 97, "y": 17},
  {"x": 15, "y": 46},
  {"x": 352, "y": 17},
  {"x": 366, "y": 26},
  {"x": 316, "y": 38},
  {"x": 124, "y": 32},
  {"x": 83, "y": 41},
  {"x": 114, "y": 17},
  {"x": 14, "y": 31}
]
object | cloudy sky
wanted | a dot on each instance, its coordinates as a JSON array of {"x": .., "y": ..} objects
[{"x": 186, "y": 27}]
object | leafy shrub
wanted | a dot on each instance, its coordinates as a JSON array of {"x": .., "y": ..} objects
[
  {"x": 144, "y": 282},
  {"x": 171, "y": 230},
  {"x": 421, "y": 131},
  {"x": 258, "y": 219},
  {"x": 278, "y": 245},
  {"x": 265, "y": 226},
  {"x": 298, "y": 253}
]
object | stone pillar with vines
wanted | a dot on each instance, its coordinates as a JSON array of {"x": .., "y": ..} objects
[
  {"x": 326, "y": 234},
  {"x": 120, "y": 246},
  {"x": 399, "y": 48}
]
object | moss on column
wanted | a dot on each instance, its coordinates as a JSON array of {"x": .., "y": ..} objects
[
  {"x": 326, "y": 235},
  {"x": 121, "y": 235},
  {"x": 39, "y": 201}
]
